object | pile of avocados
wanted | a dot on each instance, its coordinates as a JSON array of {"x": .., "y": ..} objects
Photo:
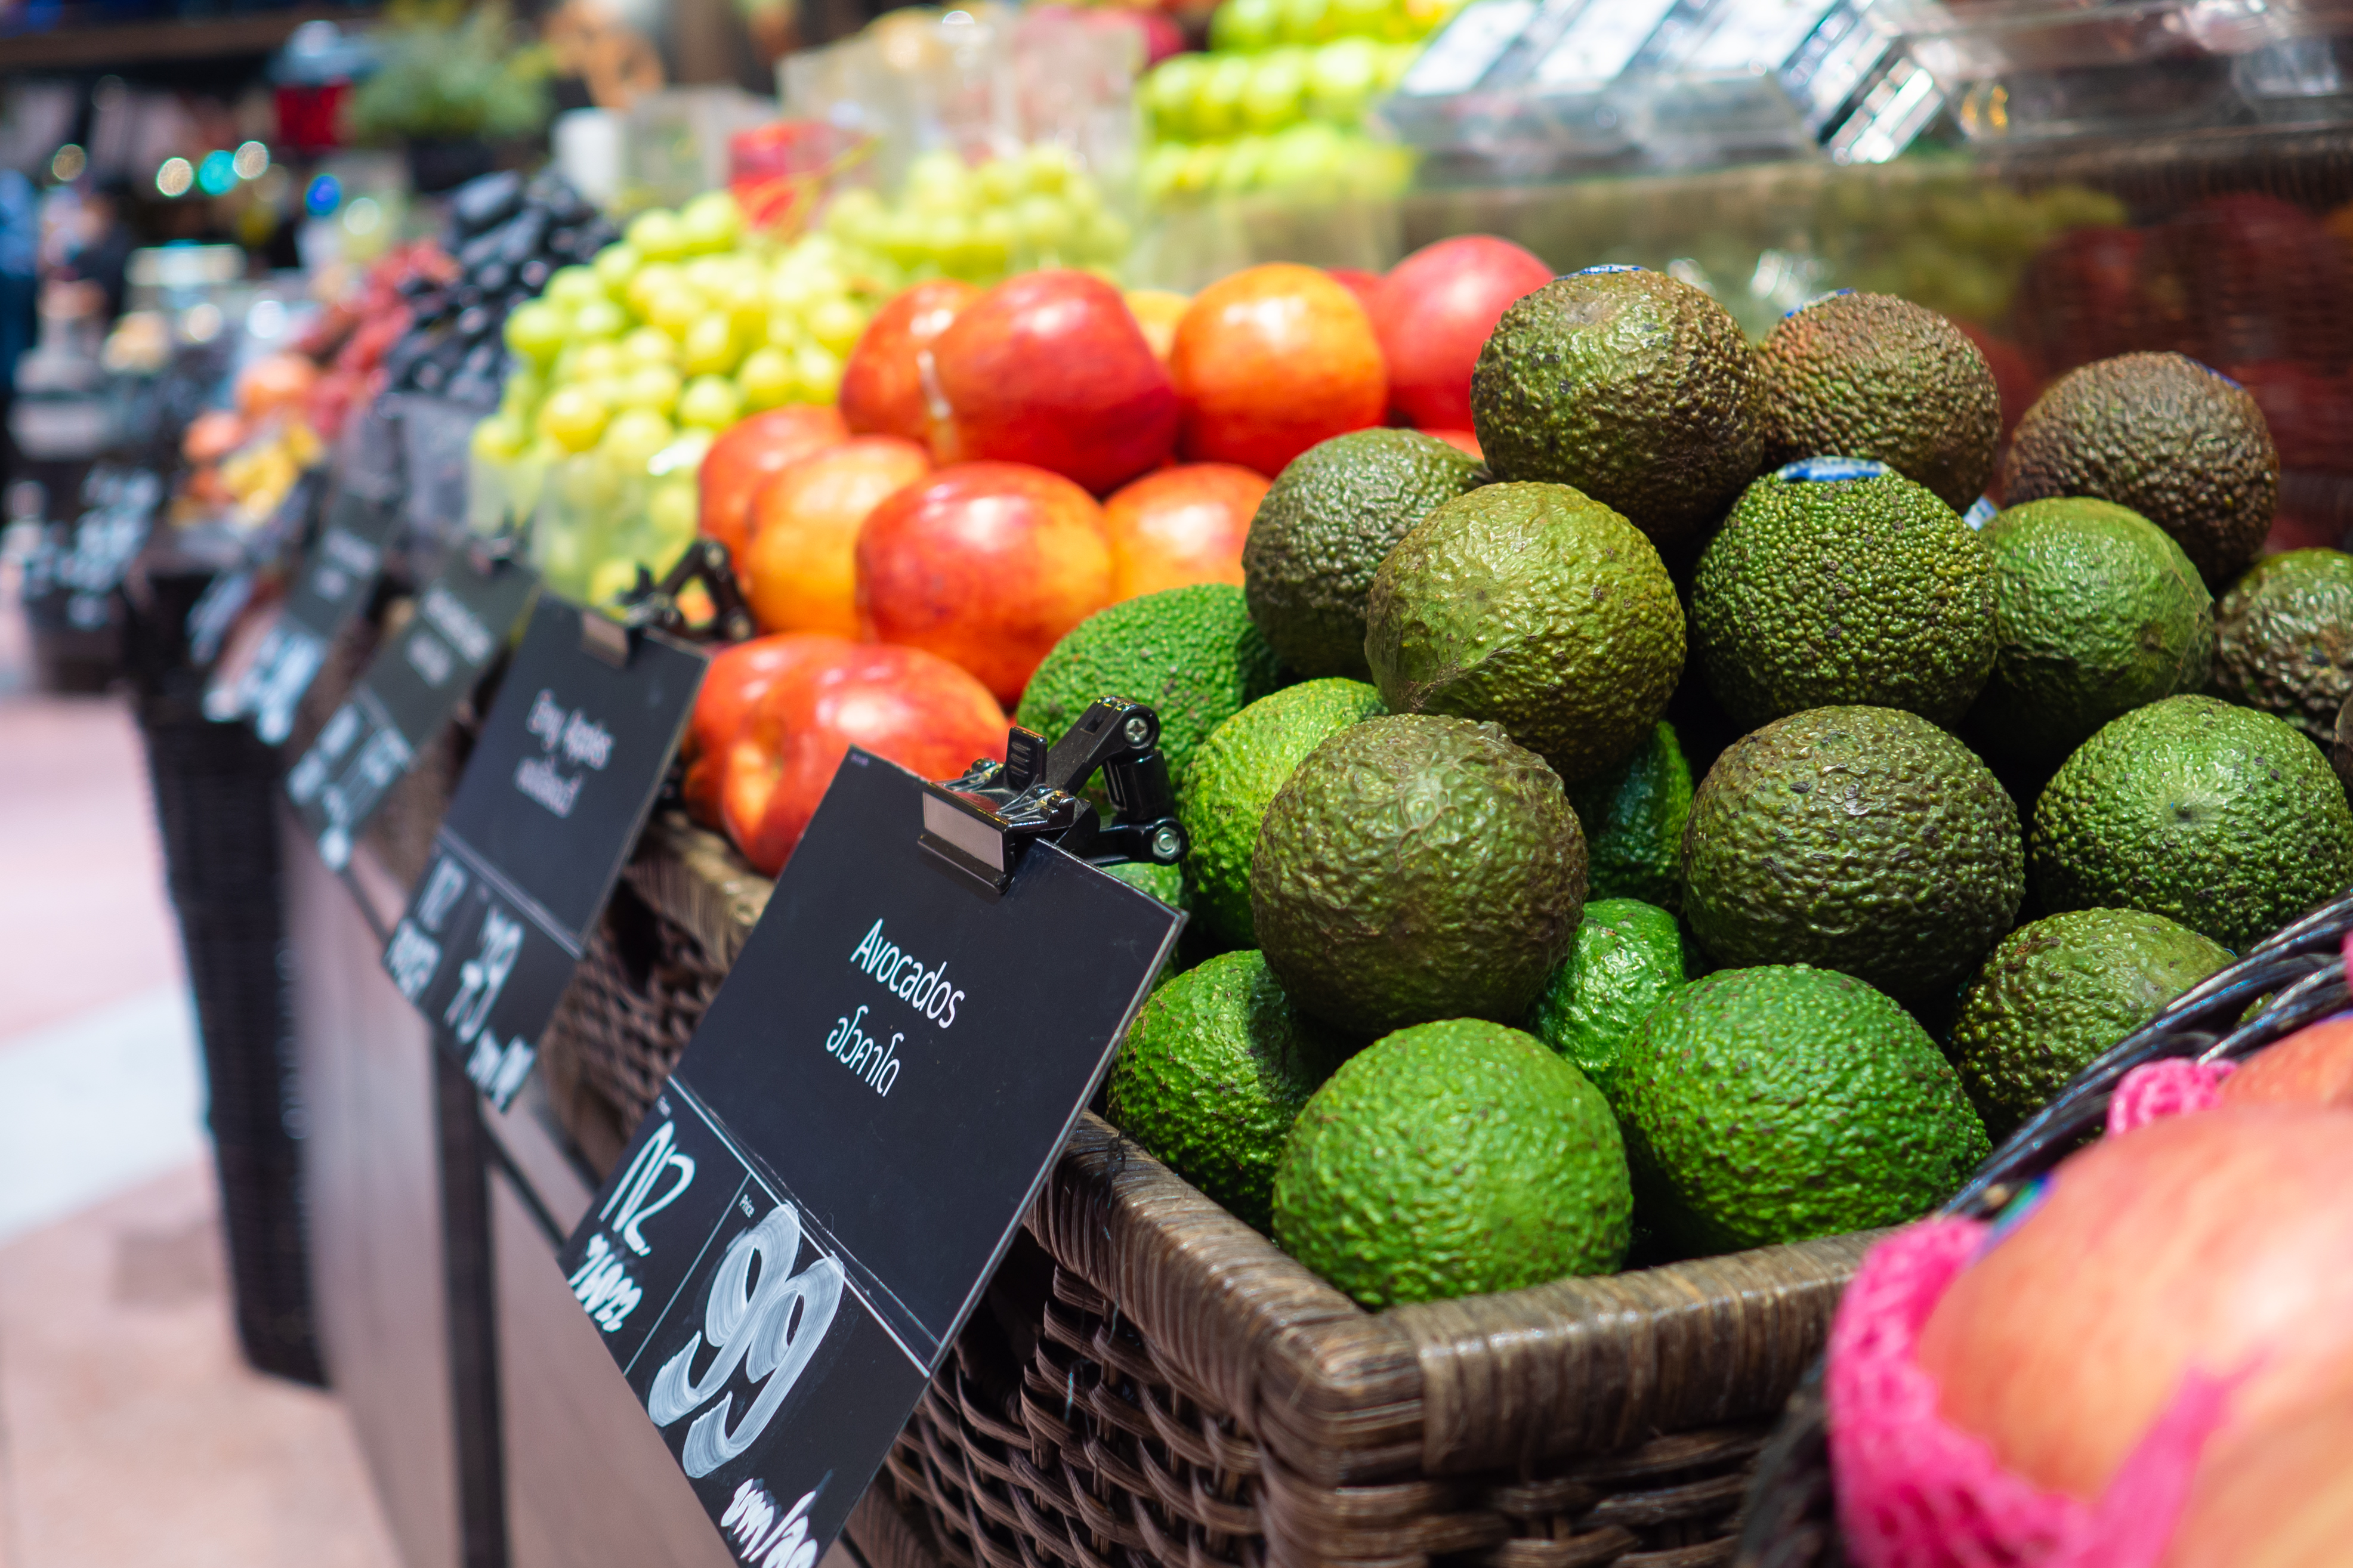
[{"x": 1704, "y": 822}]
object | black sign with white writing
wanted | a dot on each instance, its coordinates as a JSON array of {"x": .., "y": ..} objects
[
  {"x": 409, "y": 691},
  {"x": 801, "y": 1226},
  {"x": 551, "y": 803},
  {"x": 332, "y": 586}
]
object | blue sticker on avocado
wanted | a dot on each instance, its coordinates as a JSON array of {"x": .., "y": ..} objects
[
  {"x": 1817, "y": 470},
  {"x": 1980, "y": 512},
  {"x": 1833, "y": 294},
  {"x": 1604, "y": 266},
  {"x": 2218, "y": 376}
]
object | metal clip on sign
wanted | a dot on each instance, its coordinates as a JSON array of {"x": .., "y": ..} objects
[
  {"x": 976, "y": 824},
  {"x": 658, "y": 605}
]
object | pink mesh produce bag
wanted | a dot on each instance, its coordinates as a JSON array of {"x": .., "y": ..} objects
[{"x": 1914, "y": 1492}]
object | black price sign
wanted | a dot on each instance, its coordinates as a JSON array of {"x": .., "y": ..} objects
[
  {"x": 333, "y": 585},
  {"x": 409, "y": 691},
  {"x": 836, "y": 1165},
  {"x": 544, "y": 817}
]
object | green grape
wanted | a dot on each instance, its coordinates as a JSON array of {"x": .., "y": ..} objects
[
  {"x": 615, "y": 265},
  {"x": 1342, "y": 78},
  {"x": 633, "y": 436},
  {"x": 988, "y": 251},
  {"x": 1046, "y": 168},
  {"x": 677, "y": 310},
  {"x": 765, "y": 378},
  {"x": 1396, "y": 60},
  {"x": 904, "y": 237},
  {"x": 613, "y": 577},
  {"x": 785, "y": 330},
  {"x": 1244, "y": 26},
  {"x": 708, "y": 347},
  {"x": 850, "y": 217},
  {"x": 572, "y": 287},
  {"x": 1163, "y": 167},
  {"x": 1043, "y": 224},
  {"x": 1169, "y": 91},
  {"x": 537, "y": 331},
  {"x": 655, "y": 235},
  {"x": 605, "y": 389},
  {"x": 836, "y": 323},
  {"x": 1278, "y": 82},
  {"x": 647, "y": 346},
  {"x": 654, "y": 386},
  {"x": 654, "y": 281},
  {"x": 595, "y": 361},
  {"x": 710, "y": 402},
  {"x": 1361, "y": 18},
  {"x": 1216, "y": 112},
  {"x": 1245, "y": 155},
  {"x": 522, "y": 390},
  {"x": 938, "y": 179},
  {"x": 818, "y": 370},
  {"x": 1304, "y": 21},
  {"x": 1305, "y": 156},
  {"x": 709, "y": 223},
  {"x": 944, "y": 235},
  {"x": 599, "y": 319},
  {"x": 499, "y": 439},
  {"x": 1107, "y": 235},
  {"x": 1204, "y": 166}
]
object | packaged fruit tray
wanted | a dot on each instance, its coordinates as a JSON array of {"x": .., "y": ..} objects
[
  {"x": 1151, "y": 1381},
  {"x": 2298, "y": 976}
]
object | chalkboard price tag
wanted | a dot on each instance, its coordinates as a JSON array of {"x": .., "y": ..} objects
[
  {"x": 333, "y": 585},
  {"x": 802, "y": 1223},
  {"x": 410, "y": 690},
  {"x": 544, "y": 819}
]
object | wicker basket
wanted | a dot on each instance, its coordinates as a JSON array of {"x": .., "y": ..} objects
[
  {"x": 1791, "y": 1518},
  {"x": 1150, "y": 1384}
]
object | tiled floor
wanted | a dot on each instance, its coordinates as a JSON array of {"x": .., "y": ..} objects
[{"x": 130, "y": 1430}]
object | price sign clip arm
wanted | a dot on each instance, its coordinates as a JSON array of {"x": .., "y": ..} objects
[{"x": 977, "y": 825}]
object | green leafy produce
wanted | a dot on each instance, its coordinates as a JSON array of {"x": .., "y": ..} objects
[
  {"x": 2099, "y": 612},
  {"x": 1775, "y": 1104},
  {"x": 1416, "y": 867},
  {"x": 451, "y": 72},
  {"x": 1535, "y": 608},
  {"x": 1211, "y": 1075},
  {"x": 1869, "y": 376},
  {"x": 2288, "y": 639},
  {"x": 1632, "y": 387},
  {"x": 1860, "y": 839},
  {"x": 1837, "y": 582},
  {"x": 2159, "y": 433},
  {"x": 1235, "y": 775},
  {"x": 2223, "y": 818},
  {"x": 1629, "y": 956},
  {"x": 1191, "y": 653},
  {"x": 2058, "y": 993},
  {"x": 1452, "y": 1159},
  {"x": 1633, "y": 819},
  {"x": 1324, "y": 528}
]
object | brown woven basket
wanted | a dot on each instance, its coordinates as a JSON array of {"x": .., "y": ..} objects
[{"x": 1150, "y": 1384}]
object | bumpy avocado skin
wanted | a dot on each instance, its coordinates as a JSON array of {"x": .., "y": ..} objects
[
  {"x": 1324, "y": 528},
  {"x": 2161, "y": 433},
  {"x": 1416, "y": 867},
  {"x": 1535, "y": 608},
  {"x": 1629, "y": 956},
  {"x": 1870, "y": 375},
  {"x": 1633, "y": 819},
  {"x": 2286, "y": 636},
  {"x": 2099, "y": 612},
  {"x": 1775, "y": 1104},
  {"x": 1631, "y": 386},
  {"x": 1824, "y": 591},
  {"x": 1190, "y": 652},
  {"x": 2223, "y": 818},
  {"x": 1235, "y": 775},
  {"x": 1213, "y": 1072},
  {"x": 1860, "y": 840},
  {"x": 2056, "y": 994},
  {"x": 1456, "y": 1158}
]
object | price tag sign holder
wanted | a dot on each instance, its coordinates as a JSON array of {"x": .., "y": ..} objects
[
  {"x": 799, "y": 1228},
  {"x": 408, "y": 693},
  {"x": 544, "y": 817},
  {"x": 333, "y": 586}
]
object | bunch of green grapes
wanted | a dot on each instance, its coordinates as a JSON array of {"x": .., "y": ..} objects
[
  {"x": 1279, "y": 101},
  {"x": 624, "y": 369},
  {"x": 982, "y": 221}
]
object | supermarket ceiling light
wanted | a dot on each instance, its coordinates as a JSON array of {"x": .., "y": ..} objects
[
  {"x": 68, "y": 164},
  {"x": 173, "y": 176},
  {"x": 216, "y": 176},
  {"x": 252, "y": 161}
]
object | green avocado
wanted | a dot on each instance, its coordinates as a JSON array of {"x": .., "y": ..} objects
[
  {"x": 1416, "y": 867},
  {"x": 1212, "y": 1073},
  {"x": 1530, "y": 605},
  {"x": 1629, "y": 956},
  {"x": 2286, "y": 632},
  {"x": 1634, "y": 387},
  {"x": 1870, "y": 375},
  {"x": 1233, "y": 777},
  {"x": 2159, "y": 433},
  {"x": 1839, "y": 581},
  {"x": 2058, "y": 993},
  {"x": 1324, "y": 528},
  {"x": 1633, "y": 819},
  {"x": 1777, "y": 1104},
  {"x": 2099, "y": 612},
  {"x": 1190, "y": 653},
  {"x": 2223, "y": 818},
  {"x": 1456, "y": 1158},
  {"x": 1860, "y": 839}
]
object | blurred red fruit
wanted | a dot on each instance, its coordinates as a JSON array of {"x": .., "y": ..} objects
[
  {"x": 883, "y": 391},
  {"x": 747, "y": 457},
  {"x": 1181, "y": 525},
  {"x": 1433, "y": 314},
  {"x": 738, "y": 677},
  {"x": 1270, "y": 360}
]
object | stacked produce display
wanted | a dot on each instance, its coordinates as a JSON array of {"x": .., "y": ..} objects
[{"x": 1675, "y": 830}]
